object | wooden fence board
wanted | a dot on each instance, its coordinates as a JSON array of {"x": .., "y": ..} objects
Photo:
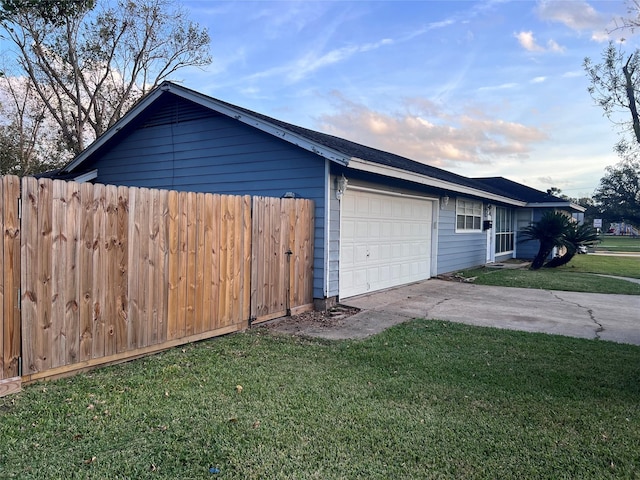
[
  {"x": 28, "y": 247},
  {"x": 98, "y": 287},
  {"x": 72, "y": 293},
  {"x": 246, "y": 248},
  {"x": 122, "y": 287},
  {"x": 6, "y": 271},
  {"x": 206, "y": 257},
  {"x": 10, "y": 278},
  {"x": 58, "y": 273},
  {"x": 182, "y": 265},
  {"x": 86, "y": 272},
  {"x": 191, "y": 273},
  {"x": 44, "y": 340},
  {"x": 153, "y": 232},
  {"x": 111, "y": 270},
  {"x": 216, "y": 259},
  {"x": 223, "y": 247},
  {"x": 173, "y": 268},
  {"x": 142, "y": 260},
  {"x": 162, "y": 286}
]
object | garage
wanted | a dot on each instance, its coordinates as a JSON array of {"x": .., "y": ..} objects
[{"x": 385, "y": 240}]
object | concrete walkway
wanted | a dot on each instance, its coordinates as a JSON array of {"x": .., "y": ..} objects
[{"x": 584, "y": 315}]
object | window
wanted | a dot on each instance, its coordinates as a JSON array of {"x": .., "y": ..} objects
[
  {"x": 468, "y": 216},
  {"x": 504, "y": 230}
]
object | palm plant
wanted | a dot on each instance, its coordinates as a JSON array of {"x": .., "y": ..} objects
[
  {"x": 575, "y": 236},
  {"x": 550, "y": 231}
]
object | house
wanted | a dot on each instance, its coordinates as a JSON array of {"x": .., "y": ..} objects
[{"x": 381, "y": 219}]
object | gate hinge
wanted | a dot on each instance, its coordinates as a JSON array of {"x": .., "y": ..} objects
[
  {"x": 19, "y": 299},
  {"x": 20, "y": 208},
  {"x": 19, "y": 366}
]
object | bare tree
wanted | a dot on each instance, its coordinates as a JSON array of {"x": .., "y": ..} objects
[
  {"x": 613, "y": 86},
  {"x": 28, "y": 136},
  {"x": 90, "y": 65}
]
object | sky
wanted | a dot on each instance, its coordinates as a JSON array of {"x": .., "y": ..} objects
[{"x": 481, "y": 88}]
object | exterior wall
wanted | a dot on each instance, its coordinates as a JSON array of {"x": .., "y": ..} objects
[
  {"x": 214, "y": 153},
  {"x": 457, "y": 251}
]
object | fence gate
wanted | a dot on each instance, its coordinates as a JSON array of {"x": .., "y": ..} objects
[{"x": 281, "y": 256}]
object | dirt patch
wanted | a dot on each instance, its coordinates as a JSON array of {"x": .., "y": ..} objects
[{"x": 314, "y": 319}]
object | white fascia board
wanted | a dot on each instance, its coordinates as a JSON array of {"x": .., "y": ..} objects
[
  {"x": 87, "y": 176},
  {"x": 573, "y": 206},
  {"x": 371, "y": 167}
]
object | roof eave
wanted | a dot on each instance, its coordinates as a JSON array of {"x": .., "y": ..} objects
[
  {"x": 372, "y": 167},
  {"x": 570, "y": 205}
]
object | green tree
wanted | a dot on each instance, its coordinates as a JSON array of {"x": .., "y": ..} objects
[
  {"x": 549, "y": 231},
  {"x": 51, "y": 11},
  {"x": 618, "y": 195},
  {"x": 89, "y": 63}
]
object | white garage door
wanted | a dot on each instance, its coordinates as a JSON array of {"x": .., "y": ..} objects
[{"x": 385, "y": 241}]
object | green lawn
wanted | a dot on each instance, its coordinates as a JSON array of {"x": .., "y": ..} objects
[
  {"x": 576, "y": 276},
  {"x": 608, "y": 265},
  {"x": 426, "y": 399},
  {"x": 618, "y": 244}
]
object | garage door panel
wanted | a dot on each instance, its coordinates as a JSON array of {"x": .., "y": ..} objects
[{"x": 386, "y": 242}]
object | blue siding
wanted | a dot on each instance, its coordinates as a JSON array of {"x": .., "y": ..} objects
[
  {"x": 457, "y": 251},
  {"x": 217, "y": 154}
]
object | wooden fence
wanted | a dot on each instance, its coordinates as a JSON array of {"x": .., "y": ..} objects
[{"x": 110, "y": 273}]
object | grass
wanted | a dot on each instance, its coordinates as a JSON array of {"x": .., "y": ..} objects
[
  {"x": 576, "y": 276},
  {"x": 611, "y": 243},
  {"x": 607, "y": 265},
  {"x": 426, "y": 399}
]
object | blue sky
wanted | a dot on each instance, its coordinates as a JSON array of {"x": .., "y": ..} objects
[{"x": 481, "y": 88}]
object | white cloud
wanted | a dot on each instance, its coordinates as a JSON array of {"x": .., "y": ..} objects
[
  {"x": 575, "y": 14},
  {"x": 424, "y": 132},
  {"x": 538, "y": 79},
  {"x": 554, "y": 47},
  {"x": 312, "y": 61},
  {"x": 528, "y": 42},
  {"x": 503, "y": 86}
]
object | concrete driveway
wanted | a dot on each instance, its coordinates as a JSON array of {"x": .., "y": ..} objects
[{"x": 585, "y": 315}]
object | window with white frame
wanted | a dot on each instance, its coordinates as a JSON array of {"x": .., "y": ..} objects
[
  {"x": 504, "y": 230},
  {"x": 468, "y": 216}
]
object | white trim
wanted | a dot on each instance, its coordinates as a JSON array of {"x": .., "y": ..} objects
[
  {"x": 468, "y": 230},
  {"x": 87, "y": 176},
  {"x": 327, "y": 226},
  {"x": 435, "y": 221},
  {"x": 394, "y": 172},
  {"x": 571, "y": 205}
]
